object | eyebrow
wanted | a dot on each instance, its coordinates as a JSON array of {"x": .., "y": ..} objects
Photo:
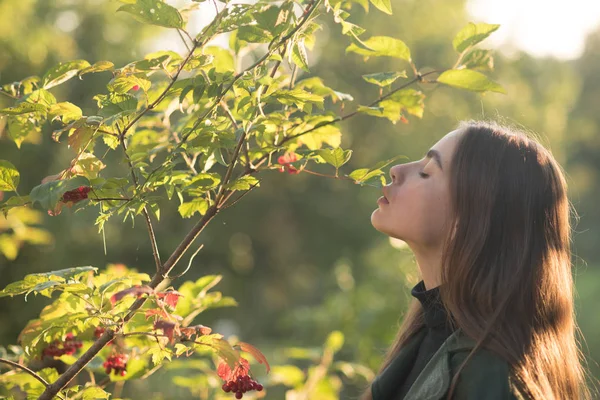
[{"x": 436, "y": 156}]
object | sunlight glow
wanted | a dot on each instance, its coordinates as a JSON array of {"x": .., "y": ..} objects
[{"x": 539, "y": 27}]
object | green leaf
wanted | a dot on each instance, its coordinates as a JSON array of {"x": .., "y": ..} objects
[
  {"x": 40, "y": 96},
  {"x": 40, "y": 283},
  {"x": 94, "y": 393},
  {"x": 479, "y": 59},
  {"x": 299, "y": 55},
  {"x": 181, "y": 349},
  {"x": 469, "y": 80},
  {"x": 154, "y": 12},
  {"x": 298, "y": 97},
  {"x": 410, "y": 100},
  {"x": 123, "y": 84},
  {"x": 382, "y": 46},
  {"x": 115, "y": 104},
  {"x": 100, "y": 66},
  {"x": 67, "y": 273},
  {"x": 384, "y": 78},
  {"x": 67, "y": 111},
  {"x": 221, "y": 346},
  {"x": 472, "y": 34},
  {"x": 9, "y": 176},
  {"x": 19, "y": 127},
  {"x": 14, "y": 201},
  {"x": 364, "y": 174},
  {"x": 243, "y": 183},
  {"x": 383, "y": 5},
  {"x": 23, "y": 108},
  {"x": 159, "y": 354},
  {"x": 63, "y": 72},
  {"x": 254, "y": 34},
  {"x": 88, "y": 165},
  {"x": 48, "y": 194},
  {"x": 336, "y": 157},
  {"x": 189, "y": 208}
]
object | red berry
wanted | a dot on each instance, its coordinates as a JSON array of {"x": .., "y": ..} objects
[
  {"x": 136, "y": 87},
  {"x": 226, "y": 388},
  {"x": 238, "y": 395},
  {"x": 259, "y": 387}
]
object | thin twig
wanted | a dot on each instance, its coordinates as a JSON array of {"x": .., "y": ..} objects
[
  {"x": 153, "y": 243},
  {"x": 110, "y": 198},
  {"x": 189, "y": 263},
  {"x": 183, "y": 40},
  {"x": 8, "y": 95},
  {"x": 24, "y": 368}
]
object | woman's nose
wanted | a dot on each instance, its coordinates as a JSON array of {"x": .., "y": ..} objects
[{"x": 395, "y": 173}]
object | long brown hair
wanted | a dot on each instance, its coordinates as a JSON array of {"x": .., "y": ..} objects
[{"x": 506, "y": 265}]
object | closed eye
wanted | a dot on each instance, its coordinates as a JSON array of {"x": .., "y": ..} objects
[{"x": 423, "y": 175}]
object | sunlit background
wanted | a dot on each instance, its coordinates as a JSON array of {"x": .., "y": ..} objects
[{"x": 300, "y": 254}]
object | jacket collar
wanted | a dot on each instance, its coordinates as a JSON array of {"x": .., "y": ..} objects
[{"x": 434, "y": 381}]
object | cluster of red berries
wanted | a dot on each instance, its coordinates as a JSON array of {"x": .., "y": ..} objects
[
  {"x": 98, "y": 331},
  {"x": 76, "y": 195},
  {"x": 116, "y": 362},
  {"x": 241, "y": 385},
  {"x": 57, "y": 349},
  {"x": 285, "y": 161}
]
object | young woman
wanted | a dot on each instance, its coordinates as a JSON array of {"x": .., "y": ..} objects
[{"x": 486, "y": 215}]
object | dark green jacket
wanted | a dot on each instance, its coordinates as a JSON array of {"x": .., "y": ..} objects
[{"x": 484, "y": 377}]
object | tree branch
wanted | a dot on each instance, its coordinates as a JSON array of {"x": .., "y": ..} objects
[{"x": 162, "y": 272}]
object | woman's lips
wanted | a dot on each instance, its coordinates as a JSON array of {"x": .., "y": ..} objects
[{"x": 382, "y": 200}]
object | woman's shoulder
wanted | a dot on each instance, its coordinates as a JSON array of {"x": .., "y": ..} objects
[{"x": 486, "y": 375}]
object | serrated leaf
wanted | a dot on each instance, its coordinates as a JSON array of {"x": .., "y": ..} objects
[
  {"x": 159, "y": 354},
  {"x": 187, "y": 209},
  {"x": 48, "y": 194},
  {"x": 43, "y": 281},
  {"x": 479, "y": 59},
  {"x": 382, "y": 46},
  {"x": 9, "y": 176},
  {"x": 221, "y": 346},
  {"x": 469, "y": 80},
  {"x": 243, "y": 183},
  {"x": 100, "y": 66},
  {"x": 364, "y": 174},
  {"x": 154, "y": 12},
  {"x": 124, "y": 84},
  {"x": 181, "y": 349},
  {"x": 336, "y": 157},
  {"x": 68, "y": 112},
  {"x": 384, "y": 78},
  {"x": 299, "y": 55},
  {"x": 23, "y": 108},
  {"x": 94, "y": 393},
  {"x": 63, "y": 72},
  {"x": 472, "y": 34},
  {"x": 383, "y": 5}
]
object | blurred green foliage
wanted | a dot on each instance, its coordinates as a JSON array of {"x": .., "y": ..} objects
[{"x": 300, "y": 255}]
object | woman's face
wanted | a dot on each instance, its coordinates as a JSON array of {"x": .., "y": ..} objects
[{"x": 417, "y": 210}]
